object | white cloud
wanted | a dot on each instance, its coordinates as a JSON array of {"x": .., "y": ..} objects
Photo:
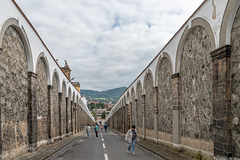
[{"x": 107, "y": 43}]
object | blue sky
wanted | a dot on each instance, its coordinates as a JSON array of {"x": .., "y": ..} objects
[{"x": 107, "y": 43}]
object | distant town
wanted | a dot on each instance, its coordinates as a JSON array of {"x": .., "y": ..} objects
[
  {"x": 100, "y": 110},
  {"x": 100, "y": 103}
]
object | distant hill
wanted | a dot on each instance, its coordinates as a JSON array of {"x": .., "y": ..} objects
[{"x": 104, "y": 96}]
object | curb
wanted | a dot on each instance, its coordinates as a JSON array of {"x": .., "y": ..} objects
[{"x": 58, "y": 149}]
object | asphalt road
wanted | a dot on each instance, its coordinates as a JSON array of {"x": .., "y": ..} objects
[{"x": 109, "y": 146}]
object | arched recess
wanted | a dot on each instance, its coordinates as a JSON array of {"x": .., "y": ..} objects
[
  {"x": 197, "y": 22},
  {"x": 63, "y": 109},
  {"x": 164, "y": 73},
  {"x": 194, "y": 64},
  {"x": 56, "y": 74},
  {"x": 235, "y": 84},
  {"x": 12, "y": 22},
  {"x": 164, "y": 55},
  {"x": 227, "y": 22},
  {"x": 149, "y": 71},
  {"x": 128, "y": 110},
  {"x": 43, "y": 58},
  {"x": 69, "y": 109},
  {"x": 140, "y": 108},
  {"x": 77, "y": 114},
  {"x": 42, "y": 82},
  {"x": 15, "y": 62},
  {"x": 55, "y": 104},
  {"x": 128, "y": 98},
  {"x": 148, "y": 87},
  {"x": 133, "y": 105},
  {"x": 73, "y": 114}
]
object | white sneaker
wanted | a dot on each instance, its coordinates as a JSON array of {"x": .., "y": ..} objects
[
  {"x": 134, "y": 154},
  {"x": 128, "y": 151}
]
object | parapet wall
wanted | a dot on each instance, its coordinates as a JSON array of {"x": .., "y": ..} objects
[
  {"x": 187, "y": 97},
  {"x": 39, "y": 104}
]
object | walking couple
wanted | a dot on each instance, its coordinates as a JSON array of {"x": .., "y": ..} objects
[{"x": 96, "y": 129}]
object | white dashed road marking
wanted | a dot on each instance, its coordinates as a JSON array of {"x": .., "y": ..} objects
[
  {"x": 103, "y": 145},
  {"x": 104, "y": 148},
  {"x": 80, "y": 140},
  {"x": 106, "y": 156}
]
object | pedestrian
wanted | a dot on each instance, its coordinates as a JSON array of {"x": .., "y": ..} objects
[
  {"x": 96, "y": 128},
  {"x": 101, "y": 128},
  {"x": 105, "y": 126},
  {"x": 88, "y": 130},
  {"x": 131, "y": 137}
]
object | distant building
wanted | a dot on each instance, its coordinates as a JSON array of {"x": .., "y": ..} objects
[{"x": 95, "y": 102}]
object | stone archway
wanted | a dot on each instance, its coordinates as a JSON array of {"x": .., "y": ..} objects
[
  {"x": 14, "y": 93},
  {"x": 55, "y": 105},
  {"x": 140, "y": 108},
  {"x": 148, "y": 83},
  {"x": 133, "y": 110},
  {"x": 68, "y": 112},
  {"x": 42, "y": 101},
  {"x": 196, "y": 85},
  {"x": 165, "y": 110},
  {"x": 63, "y": 109}
]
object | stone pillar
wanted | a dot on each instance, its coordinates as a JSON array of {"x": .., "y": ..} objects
[
  {"x": 222, "y": 113},
  {"x": 50, "y": 113},
  {"x": 176, "y": 108},
  {"x": 155, "y": 110},
  {"x": 32, "y": 112},
  {"x": 67, "y": 131},
  {"x": 144, "y": 116},
  {"x": 136, "y": 114},
  {"x": 60, "y": 113}
]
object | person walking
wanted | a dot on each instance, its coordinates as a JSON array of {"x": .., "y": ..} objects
[
  {"x": 96, "y": 128},
  {"x": 88, "y": 130},
  {"x": 131, "y": 137},
  {"x": 101, "y": 128},
  {"x": 105, "y": 126}
]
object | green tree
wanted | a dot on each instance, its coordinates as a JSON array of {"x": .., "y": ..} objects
[
  {"x": 104, "y": 115},
  {"x": 94, "y": 115},
  {"x": 100, "y": 106}
]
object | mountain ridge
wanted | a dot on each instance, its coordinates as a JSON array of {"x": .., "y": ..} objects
[{"x": 110, "y": 95}]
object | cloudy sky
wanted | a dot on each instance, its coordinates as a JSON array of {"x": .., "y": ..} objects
[{"x": 107, "y": 43}]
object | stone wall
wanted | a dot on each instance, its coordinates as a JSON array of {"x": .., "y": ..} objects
[
  {"x": 55, "y": 106},
  {"x": 63, "y": 109},
  {"x": 165, "y": 112},
  {"x": 196, "y": 85},
  {"x": 73, "y": 114},
  {"x": 14, "y": 93},
  {"x": 149, "y": 102},
  {"x": 69, "y": 107},
  {"x": 42, "y": 100},
  {"x": 139, "y": 107},
  {"x": 235, "y": 84},
  {"x": 133, "y": 108}
]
